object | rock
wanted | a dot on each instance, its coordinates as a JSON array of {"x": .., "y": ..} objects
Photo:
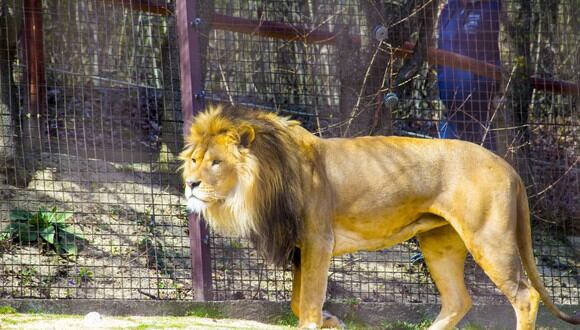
[{"x": 92, "y": 319}]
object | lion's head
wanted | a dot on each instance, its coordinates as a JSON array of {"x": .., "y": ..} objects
[{"x": 242, "y": 174}]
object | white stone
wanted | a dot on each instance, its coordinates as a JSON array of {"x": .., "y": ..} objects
[{"x": 92, "y": 318}]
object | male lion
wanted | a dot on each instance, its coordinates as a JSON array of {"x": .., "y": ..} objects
[{"x": 264, "y": 177}]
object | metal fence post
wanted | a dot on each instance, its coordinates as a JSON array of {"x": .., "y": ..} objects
[
  {"x": 192, "y": 102},
  {"x": 33, "y": 44}
]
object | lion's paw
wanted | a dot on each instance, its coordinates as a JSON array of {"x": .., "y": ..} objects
[{"x": 331, "y": 321}]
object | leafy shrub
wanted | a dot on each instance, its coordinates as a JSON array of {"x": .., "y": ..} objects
[{"x": 48, "y": 226}]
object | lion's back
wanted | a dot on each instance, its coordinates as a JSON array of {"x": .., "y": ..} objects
[{"x": 425, "y": 164}]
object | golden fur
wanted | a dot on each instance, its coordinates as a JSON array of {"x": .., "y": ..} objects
[{"x": 257, "y": 175}]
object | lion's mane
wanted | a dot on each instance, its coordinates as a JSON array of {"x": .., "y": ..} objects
[{"x": 269, "y": 197}]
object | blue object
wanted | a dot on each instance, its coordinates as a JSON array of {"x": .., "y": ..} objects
[{"x": 469, "y": 28}]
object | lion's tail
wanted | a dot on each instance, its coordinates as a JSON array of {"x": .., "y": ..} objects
[{"x": 524, "y": 234}]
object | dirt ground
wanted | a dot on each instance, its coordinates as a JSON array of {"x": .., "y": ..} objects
[{"x": 126, "y": 256}]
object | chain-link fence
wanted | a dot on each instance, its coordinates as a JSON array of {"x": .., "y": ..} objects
[{"x": 91, "y": 202}]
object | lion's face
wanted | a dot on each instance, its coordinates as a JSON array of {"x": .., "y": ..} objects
[
  {"x": 242, "y": 174},
  {"x": 210, "y": 173},
  {"x": 216, "y": 162}
]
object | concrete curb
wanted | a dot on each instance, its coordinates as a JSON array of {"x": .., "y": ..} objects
[{"x": 372, "y": 314}]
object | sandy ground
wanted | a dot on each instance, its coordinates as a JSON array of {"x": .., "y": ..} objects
[{"x": 65, "y": 322}]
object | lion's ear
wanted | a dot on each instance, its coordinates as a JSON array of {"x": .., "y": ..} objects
[{"x": 247, "y": 135}]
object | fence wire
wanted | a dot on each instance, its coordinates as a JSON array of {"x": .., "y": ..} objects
[
  {"x": 91, "y": 203},
  {"x": 91, "y": 206}
]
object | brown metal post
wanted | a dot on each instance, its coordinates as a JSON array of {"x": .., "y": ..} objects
[
  {"x": 34, "y": 47},
  {"x": 192, "y": 102}
]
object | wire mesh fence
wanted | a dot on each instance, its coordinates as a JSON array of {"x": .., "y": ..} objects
[
  {"x": 392, "y": 67},
  {"x": 91, "y": 203}
]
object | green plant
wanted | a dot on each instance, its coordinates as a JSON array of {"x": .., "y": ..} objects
[
  {"x": 356, "y": 325},
  {"x": 10, "y": 321},
  {"x": 48, "y": 226},
  {"x": 351, "y": 301},
  {"x": 400, "y": 325},
  {"x": 84, "y": 275},
  {"x": 115, "y": 250},
  {"x": 472, "y": 326},
  {"x": 205, "y": 311},
  {"x": 26, "y": 275},
  {"x": 236, "y": 245},
  {"x": 7, "y": 310},
  {"x": 288, "y": 319}
]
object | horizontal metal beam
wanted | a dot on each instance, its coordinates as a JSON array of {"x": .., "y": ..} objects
[
  {"x": 148, "y": 6},
  {"x": 276, "y": 30}
]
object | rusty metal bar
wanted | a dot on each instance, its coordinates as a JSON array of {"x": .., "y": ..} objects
[
  {"x": 275, "y": 30},
  {"x": 148, "y": 6},
  {"x": 191, "y": 103},
  {"x": 555, "y": 86},
  {"x": 437, "y": 56},
  {"x": 34, "y": 50}
]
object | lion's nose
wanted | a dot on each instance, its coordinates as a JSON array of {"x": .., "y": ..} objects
[{"x": 192, "y": 184}]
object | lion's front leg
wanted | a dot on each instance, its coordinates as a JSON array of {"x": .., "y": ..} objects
[
  {"x": 296, "y": 282},
  {"x": 328, "y": 320},
  {"x": 316, "y": 253}
]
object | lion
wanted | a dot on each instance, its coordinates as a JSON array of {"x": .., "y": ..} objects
[{"x": 298, "y": 197}]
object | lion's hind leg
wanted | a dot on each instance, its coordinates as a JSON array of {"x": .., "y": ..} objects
[
  {"x": 498, "y": 255},
  {"x": 492, "y": 241},
  {"x": 445, "y": 255}
]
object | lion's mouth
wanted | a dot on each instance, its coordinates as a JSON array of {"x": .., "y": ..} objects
[{"x": 200, "y": 199}]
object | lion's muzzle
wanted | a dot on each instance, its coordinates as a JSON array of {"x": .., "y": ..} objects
[
  {"x": 198, "y": 196},
  {"x": 192, "y": 184}
]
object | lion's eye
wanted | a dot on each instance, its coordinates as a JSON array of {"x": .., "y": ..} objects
[
  {"x": 193, "y": 160},
  {"x": 216, "y": 162}
]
